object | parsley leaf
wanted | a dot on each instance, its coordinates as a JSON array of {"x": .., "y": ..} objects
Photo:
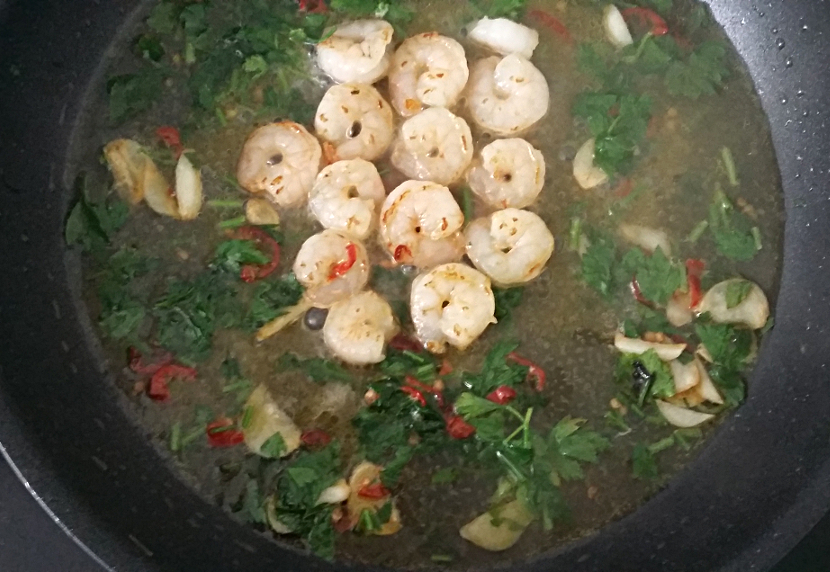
[
  {"x": 391, "y": 11},
  {"x": 657, "y": 277},
  {"x": 646, "y": 375},
  {"x": 496, "y": 371},
  {"x": 568, "y": 444},
  {"x": 701, "y": 74},
  {"x": 729, "y": 346},
  {"x": 729, "y": 383},
  {"x": 644, "y": 463},
  {"x": 273, "y": 447},
  {"x": 513, "y": 9},
  {"x": 736, "y": 292},
  {"x": 130, "y": 94},
  {"x": 731, "y": 229},
  {"x": 598, "y": 263},
  {"x": 506, "y": 300},
  {"x": 232, "y": 254},
  {"x": 271, "y": 298},
  {"x": 91, "y": 223},
  {"x": 319, "y": 370}
]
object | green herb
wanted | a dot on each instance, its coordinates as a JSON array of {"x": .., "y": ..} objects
[
  {"x": 649, "y": 375},
  {"x": 271, "y": 298},
  {"x": 568, "y": 445},
  {"x": 391, "y": 11},
  {"x": 507, "y": 299},
  {"x": 657, "y": 277},
  {"x": 697, "y": 231},
  {"x": 92, "y": 222},
  {"x": 598, "y": 263},
  {"x": 513, "y": 9},
  {"x": 298, "y": 488},
  {"x": 421, "y": 366},
  {"x": 731, "y": 229},
  {"x": 701, "y": 74},
  {"x": 441, "y": 558},
  {"x": 575, "y": 234},
  {"x": 730, "y": 384},
  {"x": 444, "y": 476},
  {"x": 729, "y": 166},
  {"x": 729, "y": 347},
  {"x": 149, "y": 47},
  {"x": 496, "y": 371},
  {"x": 225, "y": 203},
  {"x": 231, "y": 223},
  {"x": 616, "y": 420},
  {"x": 176, "y": 437},
  {"x": 736, "y": 292},
  {"x": 319, "y": 370},
  {"x": 618, "y": 124},
  {"x": 123, "y": 306},
  {"x": 467, "y": 204},
  {"x": 163, "y": 18},
  {"x": 232, "y": 254},
  {"x": 190, "y": 311},
  {"x": 247, "y": 417},
  {"x": 130, "y": 94},
  {"x": 392, "y": 470},
  {"x": 644, "y": 463},
  {"x": 274, "y": 447}
]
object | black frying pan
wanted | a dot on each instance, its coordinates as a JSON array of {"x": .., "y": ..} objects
[{"x": 757, "y": 488}]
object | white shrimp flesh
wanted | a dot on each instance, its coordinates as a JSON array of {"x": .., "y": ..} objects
[
  {"x": 332, "y": 265},
  {"x": 355, "y": 121},
  {"x": 428, "y": 70},
  {"x": 507, "y": 95},
  {"x": 358, "y": 328},
  {"x": 511, "y": 246},
  {"x": 504, "y": 36},
  {"x": 347, "y": 196},
  {"x": 282, "y": 160},
  {"x": 420, "y": 223},
  {"x": 511, "y": 173},
  {"x": 451, "y": 304},
  {"x": 435, "y": 145},
  {"x": 357, "y": 51}
]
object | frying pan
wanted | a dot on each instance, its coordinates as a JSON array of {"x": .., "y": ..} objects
[{"x": 760, "y": 484}]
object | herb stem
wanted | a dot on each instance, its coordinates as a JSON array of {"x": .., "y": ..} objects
[
  {"x": 176, "y": 437},
  {"x": 697, "y": 231},
  {"x": 226, "y": 203},
  {"x": 729, "y": 165},
  {"x": 575, "y": 234},
  {"x": 661, "y": 445},
  {"x": 235, "y": 222},
  {"x": 756, "y": 235}
]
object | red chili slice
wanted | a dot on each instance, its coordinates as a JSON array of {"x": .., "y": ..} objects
[
  {"x": 424, "y": 388},
  {"x": 553, "y": 24},
  {"x": 223, "y": 433},
  {"x": 624, "y": 188},
  {"x": 446, "y": 368},
  {"x": 647, "y": 18},
  {"x": 414, "y": 394},
  {"x": 318, "y": 8},
  {"x": 535, "y": 374},
  {"x": 341, "y": 268},
  {"x": 253, "y": 272},
  {"x": 638, "y": 294},
  {"x": 404, "y": 343},
  {"x": 136, "y": 362},
  {"x": 374, "y": 491},
  {"x": 402, "y": 253},
  {"x": 694, "y": 270},
  {"x": 502, "y": 395},
  {"x": 457, "y": 428},
  {"x": 315, "y": 438},
  {"x": 171, "y": 137},
  {"x": 159, "y": 389}
]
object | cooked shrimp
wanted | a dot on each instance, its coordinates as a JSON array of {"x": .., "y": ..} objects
[
  {"x": 428, "y": 70},
  {"x": 435, "y": 145},
  {"x": 504, "y": 36},
  {"x": 358, "y": 328},
  {"x": 357, "y": 51},
  {"x": 510, "y": 246},
  {"x": 420, "y": 223},
  {"x": 356, "y": 120},
  {"x": 507, "y": 96},
  {"x": 451, "y": 304},
  {"x": 332, "y": 265},
  {"x": 281, "y": 159},
  {"x": 511, "y": 174},
  {"x": 347, "y": 196}
]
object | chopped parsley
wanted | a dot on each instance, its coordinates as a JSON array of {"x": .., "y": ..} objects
[
  {"x": 645, "y": 376},
  {"x": 317, "y": 369},
  {"x": 270, "y": 299},
  {"x": 507, "y": 299},
  {"x": 657, "y": 276},
  {"x": 736, "y": 292},
  {"x": 732, "y": 231},
  {"x": 93, "y": 221}
]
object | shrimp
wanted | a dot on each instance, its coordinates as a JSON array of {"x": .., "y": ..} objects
[
  {"x": 357, "y": 51},
  {"x": 358, "y": 328},
  {"x": 435, "y": 145},
  {"x": 451, "y": 304},
  {"x": 420, "y": 223},
  {"x": 511, "y": 174},
  {"x": 332, "y": 265},
  {"x": 428, "y": 70},
  {"x": 347, "y": 196},
  {"x": 356, "y": 120},
  {"x": 281, "y": 159},
  {"x": 510, "y": 246},
  {"x": 504, "y": 36},
  {"x": 507, "y": 96}
]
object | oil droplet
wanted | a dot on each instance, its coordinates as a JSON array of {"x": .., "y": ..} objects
[
  {"x": 788, "y": 62},
  {"x": 775, "y": 30},
  {"x": 784, "y": 101},
  {"x": 780, "y": 43},
  {"x": 799, "y": 93}
]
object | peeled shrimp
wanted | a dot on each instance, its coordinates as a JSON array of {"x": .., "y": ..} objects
[
  {"x": 281, "y": 159},
  {"x": 332, "y": 265},
  {"x": 420, "y": 223},
  {"x": 435, "y": 145},
  {"x": 347, "y": 196},
  {"x": 507, "y": 96},
  {"x": 511, "y": 174},
  {"x": 358, "y": 328},
  {"x": 504, "y": 36},
  {"x": 355, "y": 120},
  {"x": 451, "y": 304},
  {"x": 427, "y": 70},
  {"x": 356, "y": 51},
  {"x": 510, "y": 246}
]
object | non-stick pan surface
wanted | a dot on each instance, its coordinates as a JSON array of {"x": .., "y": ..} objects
[{"x": 761, "y": 483}]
